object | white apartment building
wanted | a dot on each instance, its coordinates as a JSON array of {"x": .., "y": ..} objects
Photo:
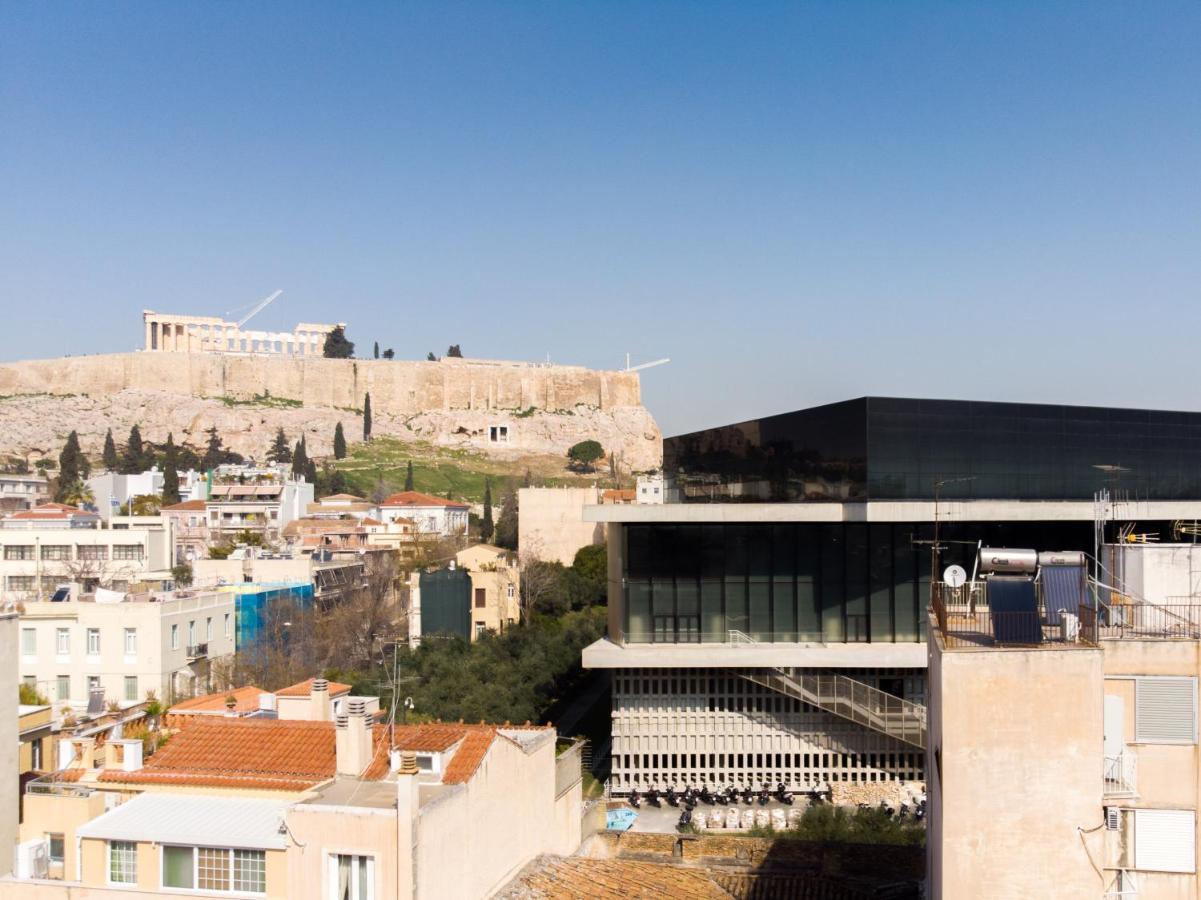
[
  {"x": 55, "y": 544},
  {"x": 429, "y": 514},
  {"x": 112, "y": 490},
  {"x": 19, "y": 492},
  {"x": 142, "y": 642},
  {"x": 258, "y": 500}
]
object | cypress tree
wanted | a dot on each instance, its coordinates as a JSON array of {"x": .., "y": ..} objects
[
  {"x": 486, "y": 526},
  {"x": 111, "y": 462},
  {"x": 367, "y": 417},
  {"x": 134, "y": 459},
  {"x": 280, "y": 452},
  {"x": 506, "y": 523},
  {"x": 377, "y": 349},
  {"x": 339, "y": 443},
  {"x": 69, "y": 471},
  {"x": 409, "y": 477},
  {"x": 214, "y": 454},
  {"x": 300, "y": 459},
  {"x": 170, "y": 473}
]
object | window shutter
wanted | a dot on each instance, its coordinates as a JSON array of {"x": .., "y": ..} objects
[
  {"x": 1164, "y": 840},
  {"x": 1165, "y": 710}
]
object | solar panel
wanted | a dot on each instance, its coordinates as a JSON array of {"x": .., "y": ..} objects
[
  {"x": 1014, "y": 608},
  {"x": 1063, "y": 590}
]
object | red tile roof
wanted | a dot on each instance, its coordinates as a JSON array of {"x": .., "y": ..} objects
[
  {"x": 247, "y": 700},
  {"x": 416, "y": 498},
  {"x": 304, "y": 688},
  {"x": 52, "y": 511},
  {"x": 186, "y": 505}
]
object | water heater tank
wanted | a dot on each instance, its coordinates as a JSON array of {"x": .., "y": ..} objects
[
  {"x": 1002, "y": 561},
  {"x": 1061, "y": 558}
]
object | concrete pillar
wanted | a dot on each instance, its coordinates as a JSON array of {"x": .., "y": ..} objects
[{"x": 146, "y": 322}]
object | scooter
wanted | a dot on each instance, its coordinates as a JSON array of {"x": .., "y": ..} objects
[
  {"x": 764, "y": 796},
  {"x": 652, "y": 797},
  {"x": 672, "y": 799},
  {"x": 748, "y": 796},
  {"x": 685, "y": 818},
  {"x": 635, "y": 800},
  {"x": 782, "y": 795},
  {"x": 706, "y": 797}
]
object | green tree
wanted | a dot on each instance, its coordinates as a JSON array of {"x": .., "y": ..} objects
[
  {"x": 430, "y": 357},
  {"x": 389, "y": 353},
  {"x": 76, "y": 493},
  {"x": 29, "y": 696},
  {"x": 214, "y": 453},
  {"x": 377, "y": 349},
  {"x": 111, "y": 461},
  {"x": 337, "y": 346},
  {"x": 528, "y": 481},
  {"x": 409, "y": 476},
  {"x": 506, "y": 523},
  {"x": 581, "y": 456},
  {"x": 134, "y": 458},
  {"x": 486, "y": 525},
  {"x": 182, "y": 574},
  {"x": 367, "y": 417},
  {"x": 339, "y": 443},
  {"x": 170, "y": 473},
  {"x": 72, "y": 467},
  {"x": 300, "y": 459},
  {"x": 280, "y": 452},
  {"x": 454, "y": 352}
]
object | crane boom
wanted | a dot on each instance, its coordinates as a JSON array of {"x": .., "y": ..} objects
[
  {"x": 258, "y": 309},
  {"x": 646, "y": 365}
]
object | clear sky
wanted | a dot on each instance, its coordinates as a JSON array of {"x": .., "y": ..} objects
[{"x": 797, "y": 203}]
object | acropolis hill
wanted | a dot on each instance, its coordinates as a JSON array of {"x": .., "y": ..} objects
[{"x": 494, "y": 406}]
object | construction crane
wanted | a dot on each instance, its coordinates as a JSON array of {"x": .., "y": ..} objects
[
  {"x": 646, "y": 365},
  {"x": 259, "y": 307}
]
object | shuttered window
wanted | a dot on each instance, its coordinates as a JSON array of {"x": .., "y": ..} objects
[
  {"x": 1165, "y": 710},
  {"x": 1164, "y": 840}
]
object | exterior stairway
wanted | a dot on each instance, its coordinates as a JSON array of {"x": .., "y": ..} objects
[{"x": 860, "y": 703}]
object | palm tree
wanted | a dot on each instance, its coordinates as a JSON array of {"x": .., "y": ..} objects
[{"x": 77, "y": 493}]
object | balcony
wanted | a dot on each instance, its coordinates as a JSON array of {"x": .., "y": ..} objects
[
  {"x": 1120, "y": 774},
  {"x": 197, "y": 651},
  {"x": 964, "y": 619}
]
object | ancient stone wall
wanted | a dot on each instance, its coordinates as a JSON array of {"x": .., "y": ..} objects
[{"x": 399, "y": 388}]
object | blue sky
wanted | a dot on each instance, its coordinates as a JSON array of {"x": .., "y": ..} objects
[{"x": 798, "y": 203}]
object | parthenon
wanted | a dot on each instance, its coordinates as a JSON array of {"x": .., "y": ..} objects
[{"x": 212, "y": 334}]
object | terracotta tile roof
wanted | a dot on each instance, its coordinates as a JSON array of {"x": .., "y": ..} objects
[
  {"x": 305, "y": 688},
  {"x": 186, "y": 505},
  {"x": 52, "y": 511},
  {"x": 468, "y": 757},
  {"x": 416, "y": 498},
  {"x": 339, "y": 497},
  {"x": 554, "y": 878},
  {"x": 247, "y": 701}
]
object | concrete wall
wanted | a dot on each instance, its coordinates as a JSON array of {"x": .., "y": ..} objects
[
  {"x": 318, "y": 831},
  {"x": 551, "y": 524},
  {"x": 1015, "y": 755},
  {"x": 9, "y": 740},
  {"x": 46, "y": 814},
  {"x": 93, "y": 852},
  {"x": 397, "y": 387}
]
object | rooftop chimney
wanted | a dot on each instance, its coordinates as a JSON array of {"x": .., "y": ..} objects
[{"x": 319, "y": 701}]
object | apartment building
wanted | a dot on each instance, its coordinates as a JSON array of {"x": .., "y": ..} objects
[
  {"x": 315, "y": 810},
  {"x": 259, "y": 500},
  {"x": 53, "y": 544},
  {"x": 162, "y": 642},
  {"x": 771, "y": 626},
  {"x": 430, "y": 515},
  {"x": 18, "y": 492},
  {"x": 495, "y": 587},
  {"x": 113, "y": 490},
  {"x": 188, "y": 521},
  {"x": 1063, "y": 746},
  {"x": 9, "y": 740}
]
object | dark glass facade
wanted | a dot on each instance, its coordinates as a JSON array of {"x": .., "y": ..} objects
[
  {"x": 802, "y": 581},
  {"x": 879, "y": 448}
]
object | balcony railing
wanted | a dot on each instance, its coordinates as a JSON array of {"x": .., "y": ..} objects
[
  {"x": 1120, "y": 774},
  {"x": 198, "y": 651},
  {"x": 46, "y": 785},
  {"x": 964, "y": 624},
  {"x": 1150, "y": 621}
]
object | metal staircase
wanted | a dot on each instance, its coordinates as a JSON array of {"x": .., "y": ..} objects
[{"x": 849, "y": 699}]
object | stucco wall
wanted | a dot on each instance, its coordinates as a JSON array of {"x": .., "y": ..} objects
[
  {"x": 399, "y": 387},
  {"x": 551, "y": 524},
  {"x": 9, "y": 740},
  {"x": 318, "y": 831}
]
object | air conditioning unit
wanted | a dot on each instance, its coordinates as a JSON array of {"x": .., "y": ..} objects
[
  {"x": 33, "y": 859},
  {"x": 1113, "y": 818}
]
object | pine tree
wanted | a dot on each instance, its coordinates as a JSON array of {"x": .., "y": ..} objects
[
  {"x": 339, "y": 443},
  {"x": 69, "y": 469},
  {"x": 454, "y": 352},
  {"x": 134, "y": 459},
  {"x": 409, "y": 477},
  {"x": 214, "y": 453},
  {"x": 377, "y": 349},
  {"x": 506, "y": 523},
  {"x": 367, "y": 417},
  {"x": 337, "y": 346},
  {"x": 280, "y": 452},
  {"x": 111, "y": 462},
  {"x": 486, "y": 526},
  {"x": 170, "y": 473}
]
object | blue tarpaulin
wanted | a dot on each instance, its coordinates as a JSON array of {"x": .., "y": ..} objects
[{"x": 620, "y": 819}]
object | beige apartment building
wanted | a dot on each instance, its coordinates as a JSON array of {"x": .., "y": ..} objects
[
  {"x": 163, "y": 642},
  {"x": 1063, "y": 754},
  {"x": 495, "y": 587}
]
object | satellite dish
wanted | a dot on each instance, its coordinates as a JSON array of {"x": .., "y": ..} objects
[{"x": 954, "y": 576}]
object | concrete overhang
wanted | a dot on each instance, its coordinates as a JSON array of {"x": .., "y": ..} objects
[
  {"x": 893, "y": 511},
  {"x": 605, "y": 654}
]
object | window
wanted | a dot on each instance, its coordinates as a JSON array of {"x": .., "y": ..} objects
[
  {"x": 511, "y": 592},
  {"x": 351, "y": 877},
  {"x": 250, "y": 871},
  {"x": 29, "y": 642},
  {"x": 177, "y": 867},
  {"x": 480, "y": 628},
  {"x": 479, "y": 598},
  {"x": 122, "y": 862},
  {"x": 131, "y": 687},
  {"x": 93, "y": 684},
  {"x": 1164, "y": 840},
  {"x": 92, "y": 552},
  {"x": 212, "y": 869},
  {"x": 56, "y": 848},
  {"x": 93, "y": 642},
  {"x": 127, "y": 551},
  {"x": 62, "y": 687},
  {"x": 18, "y": 552},
  {"x": 229, "y": 625},
  {"x": 192, "y": 633},
  {"x": 59, "y": 552},
  {"x": 208, "y": 628},
  {"x": 498, "y": 434},
  {"x": 1165, "y": 710},
  {"x": 174, "y": 637},
  {"x": 21, "y": 582},
  {"x": 131, "y": 641},
  {"x": 30, "y": 681},
  {"x": 215, "y": 869},
  {"x": 62, "y": 641}
]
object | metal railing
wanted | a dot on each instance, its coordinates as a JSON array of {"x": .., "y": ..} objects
[
  {"x": 46, "y": 785},
  {"x": 1150, "y": 622},
  {"x": 1120, "y": 774},
  {"x": 852, "y": 700},
  {"x": 198, "y": 651},
  {"x": 962, "y": 626}
]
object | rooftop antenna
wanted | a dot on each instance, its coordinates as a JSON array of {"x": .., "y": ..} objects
[
  {"x": 259, "y": 307},
  {"x": 645, "y": 365}
]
